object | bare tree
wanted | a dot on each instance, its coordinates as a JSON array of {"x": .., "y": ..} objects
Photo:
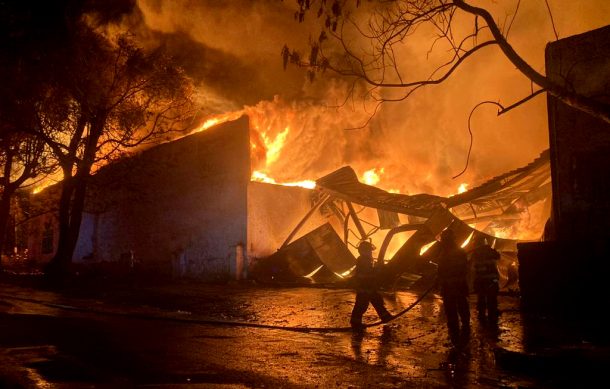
[
  {"x": 22, "y": 159},
  {"x": 391, "y": 25},
  {"x": 108, "y": 95},
  {"x": 23, "y": 156}
]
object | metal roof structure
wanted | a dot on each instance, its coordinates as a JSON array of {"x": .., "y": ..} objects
[
  {"x": 499, "y": 201},
  {"x": 495, "y": 197}
]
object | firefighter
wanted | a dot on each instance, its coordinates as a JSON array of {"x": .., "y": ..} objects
[
  {"x": 366, "y": 287},
  {"x": 484, "y": 259},
  {"x": 453, "y": 282}
]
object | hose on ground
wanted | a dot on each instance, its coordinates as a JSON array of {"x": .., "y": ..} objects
[{"x": 144, "y": 316}]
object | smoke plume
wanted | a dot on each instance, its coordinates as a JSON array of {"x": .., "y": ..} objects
[{"x": 232, "y": 51}]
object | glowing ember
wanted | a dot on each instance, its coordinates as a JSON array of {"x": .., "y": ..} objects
[{"x": 463, "y": 188}]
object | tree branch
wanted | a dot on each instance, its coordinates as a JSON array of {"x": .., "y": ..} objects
[{"x": 585, "y": 104}]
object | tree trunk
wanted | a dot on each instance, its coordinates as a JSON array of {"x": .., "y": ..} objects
[
  {"x": 5, "y": 199},
  {"x": 62, "y": 258},
  {"x": 76, "y": 214},
  {"x": 5, "y": 208},
  {"x": 72, "y": 203}
]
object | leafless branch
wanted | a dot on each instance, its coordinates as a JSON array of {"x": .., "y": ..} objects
[{"x": 548, "y": 7}]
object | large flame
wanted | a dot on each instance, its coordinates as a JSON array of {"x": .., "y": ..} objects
[
  {"x": 265, "y": 142},
  {"x": 293, "y": 144},
  {"x": 275, "y": 145}
]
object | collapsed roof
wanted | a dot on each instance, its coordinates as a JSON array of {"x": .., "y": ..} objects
[
  {"x": 498, "y": 201},
  {"x": 530, "y": 183}
]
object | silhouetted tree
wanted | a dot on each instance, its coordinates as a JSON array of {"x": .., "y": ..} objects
[
  {"x": 92, "y": 94},
  {"x": 462, "y": 30},
  {"x": 111, "y": 95},
  {"x": 23, "y": 156}
]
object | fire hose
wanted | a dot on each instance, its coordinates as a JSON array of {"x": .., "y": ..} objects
[{"x": 145, "y": 316}]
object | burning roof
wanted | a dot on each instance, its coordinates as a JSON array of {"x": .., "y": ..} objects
[
  {"x": 499, "y": 202},
  {"x": 530, "y": 183}
]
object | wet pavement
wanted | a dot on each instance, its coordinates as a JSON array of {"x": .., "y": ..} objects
[{"x": 189, "y": 335}]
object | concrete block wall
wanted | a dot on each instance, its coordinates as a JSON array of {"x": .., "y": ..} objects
[
  {"x": 179, "y": 207},
  {"x": 579, "y": 142},
  {"x": 273, "y": 213}
]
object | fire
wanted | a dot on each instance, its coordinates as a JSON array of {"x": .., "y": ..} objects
[
  {"x": 371, "y": 177},
  {"x": 290, "y": 143},
  {"x": 46, "y": 182},
  {"x": 274, "y": 147},
  {"x": 219, "y": 119},
  {"x": 268, "y": 147},
  {"x": 262, "y": 177},
  {"x": 259, "y": 176},
  {"x": 38, "y": 189},
  {"x": 346, "y": 273}
]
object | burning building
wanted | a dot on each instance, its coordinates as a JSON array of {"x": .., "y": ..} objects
[
  {"x": 192, "y": 207},
  {"x": 404, "y": 227},
  {"x": 186, "y": 207}
]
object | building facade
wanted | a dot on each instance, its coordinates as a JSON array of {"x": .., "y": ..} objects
[{"x": 186, "y": 208}]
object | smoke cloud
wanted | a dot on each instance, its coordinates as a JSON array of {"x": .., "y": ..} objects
[{"x": 232, "y": 51}]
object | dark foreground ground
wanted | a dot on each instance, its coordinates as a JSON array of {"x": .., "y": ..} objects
[{"x": 174, "y": 335}]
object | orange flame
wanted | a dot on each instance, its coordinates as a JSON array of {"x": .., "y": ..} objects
[
  {"x": 38, "y": 189},
  {"x": 291, "y": 142},
  {"x": 259, "y": 176},
  {"x": 218, "y": 119},
  {"x": 274, "y": 147},
  {"x": 371, "y": 177},
  {"x": 263, "y": 146}
]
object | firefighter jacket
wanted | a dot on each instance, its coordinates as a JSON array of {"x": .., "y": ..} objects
[
  {"x": 453, "y": 271},
  {"x": 365, "y": 275},
  {"x": 485, "y": 270}
]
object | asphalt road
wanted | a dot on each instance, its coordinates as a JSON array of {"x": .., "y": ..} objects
[{"x": 161, "y": 337}]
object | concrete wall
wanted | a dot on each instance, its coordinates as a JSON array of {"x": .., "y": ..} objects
[
  {"x": 568, "y": 275},
  {"x": 187, "y": 208},
  {"x": 179, "y": 207},
  {"x": 36, "y": 237},
  {"x": 580, "y": 143},
  {"x": 273, "y": 213}
]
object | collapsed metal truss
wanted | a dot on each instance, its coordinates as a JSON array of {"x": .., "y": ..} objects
[{"x": 500, "y": 201}]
